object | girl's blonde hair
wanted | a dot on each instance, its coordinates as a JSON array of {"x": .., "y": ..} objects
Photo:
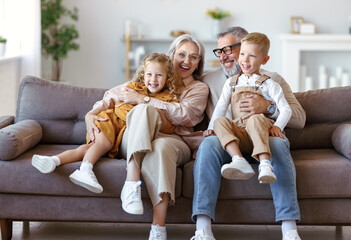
[{"x": 173, "y": 82}]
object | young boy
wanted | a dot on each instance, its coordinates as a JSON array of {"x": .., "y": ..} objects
[{"x": 252, "y": 134}]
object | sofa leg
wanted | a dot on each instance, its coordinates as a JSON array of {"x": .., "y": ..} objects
[
  {"x": 338, "y": 231},
  {"x": 6, "y": 229}
]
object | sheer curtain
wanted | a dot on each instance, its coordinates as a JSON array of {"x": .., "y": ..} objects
[{"x": 20, "y": 24}]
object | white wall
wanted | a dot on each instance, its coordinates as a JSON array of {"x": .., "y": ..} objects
[{"x": 100, "y": 60}]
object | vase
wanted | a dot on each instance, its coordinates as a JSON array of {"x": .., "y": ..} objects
[
  {"x": 2, "y": 49},
  {"x": 216, "y": 27}
]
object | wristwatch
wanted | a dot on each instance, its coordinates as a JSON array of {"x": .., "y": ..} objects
[
  {"x": 271, "y": 108},
  {"x": 146, "y": 99}
]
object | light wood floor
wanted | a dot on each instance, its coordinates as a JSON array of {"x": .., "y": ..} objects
[{"x": 109, "y": 231}]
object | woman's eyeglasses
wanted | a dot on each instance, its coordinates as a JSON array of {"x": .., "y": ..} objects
[
  {"x": 226, "y": 50},
  {"x": 182, "y": 56}
]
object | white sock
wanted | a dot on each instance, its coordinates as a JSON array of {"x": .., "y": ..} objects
[
  {"x": 161, "y": 229},
  {"x": 56, "y": 160},
  {"x": 86, "y": 166},
  {"x": 288, "y": 225},
  {"x": 265, "y": 161},
  {"x": 203, "y": 222},
  {"x": 130, "y": 183},
  {"x": 236, "y": 157}
]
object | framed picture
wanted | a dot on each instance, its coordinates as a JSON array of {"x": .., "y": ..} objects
[{"x": 295, "y": 23}]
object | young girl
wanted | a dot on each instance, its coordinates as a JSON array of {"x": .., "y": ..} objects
[{"x": 154, "y": 78}]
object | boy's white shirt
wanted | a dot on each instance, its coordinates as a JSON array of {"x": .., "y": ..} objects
[{"x": 270, "y": 91}]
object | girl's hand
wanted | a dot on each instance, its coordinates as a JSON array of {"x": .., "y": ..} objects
[
  {"x": 90, "y": 124},
  {"x": 128, "y": 95},
  {"x": 208, "y": 132},
  {"x": 276, "y": 132}
]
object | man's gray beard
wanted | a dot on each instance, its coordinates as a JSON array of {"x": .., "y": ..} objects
[{"x": 234, "y": 71}]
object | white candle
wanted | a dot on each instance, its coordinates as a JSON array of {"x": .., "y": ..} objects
[
  {"x": 303, "y": 73},
  {"x": 333, "y": 82},
  {"x": 345, "y": 80},
  {"x": 127, "y": 27},
  {"x": 323, "y": 80},
  {"x": 308, "y": 83},
  {"x": 338, "y": 72},
  {"x": 322, "y": 69}
]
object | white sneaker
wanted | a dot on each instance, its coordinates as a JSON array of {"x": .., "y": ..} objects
[
  {"x": 238, "y": 169},
  {"x": 131, "y": 199},
  {"x": 201, "y": 235},
  {"x": 292, "y": 235},
  {"x": 44, "y": 164},
  {"x": 86, "y": 179},
  {"x": 156, "y": 234},
  {"x": 266, "y": 174}
]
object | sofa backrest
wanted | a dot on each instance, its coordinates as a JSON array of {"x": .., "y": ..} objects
[
  {"x": 325, "y": 109},
  {"x": 59, "y": 108}
]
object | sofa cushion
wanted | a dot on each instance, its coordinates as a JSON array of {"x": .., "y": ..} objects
[
  {"x": 316, "y": 171},
  {"x": 18, "y": 138},
  {"x": 19, "y": 176},
  {"x": 341, "y": 140},
  {"x": 325, "y": 110},
  {"x": 322, "y": 173},
  {"x": 59, "y": 108}
]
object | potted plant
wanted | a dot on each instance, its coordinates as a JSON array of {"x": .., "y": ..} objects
[
  {"x": 2, "y": 46},
  {"x": 57, "y": 39}
]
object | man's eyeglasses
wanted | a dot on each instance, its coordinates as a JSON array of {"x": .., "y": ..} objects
[
  {"x": 227, "y": 50},
  {"x": 181, "y": 56}
]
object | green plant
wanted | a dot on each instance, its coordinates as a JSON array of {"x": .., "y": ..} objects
[
  {"x": 57, "y": 39},
  {"x": 217, "y": 13},
  {"x": 3, "y": 40}
]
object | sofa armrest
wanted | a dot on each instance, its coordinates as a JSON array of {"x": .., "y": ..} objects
[
  {"x": 6, "y": 120},
  {"x": 18, "y": 138},
  {"x": 341, "y": 140}
]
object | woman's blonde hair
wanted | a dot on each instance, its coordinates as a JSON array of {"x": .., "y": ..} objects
[{"x": 173, "y": 82}]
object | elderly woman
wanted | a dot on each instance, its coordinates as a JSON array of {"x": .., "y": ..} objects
[{"x": 154, "y": 154}]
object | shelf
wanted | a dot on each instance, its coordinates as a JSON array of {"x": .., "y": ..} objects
[
  {"x": 165, "y": 40},
  {"x": 294, "y": 44}
]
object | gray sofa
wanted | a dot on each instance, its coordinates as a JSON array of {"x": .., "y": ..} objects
[{"x": 50, "y": 119}]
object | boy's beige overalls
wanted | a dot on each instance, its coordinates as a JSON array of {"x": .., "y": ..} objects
[{"x": 251, "y": 134}]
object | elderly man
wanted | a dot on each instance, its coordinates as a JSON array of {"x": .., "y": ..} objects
[{"x": 211, "y": 156}]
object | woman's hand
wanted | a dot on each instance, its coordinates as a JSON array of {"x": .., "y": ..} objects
[
  {"x": 208, "y": 132},
  {"x": 90, "y": 124},
  {"x": 130, "y": 96},
  {"x": 276, "y": 132}
]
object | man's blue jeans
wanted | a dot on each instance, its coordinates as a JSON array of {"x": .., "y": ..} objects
[{"x": 210, "y": 158}]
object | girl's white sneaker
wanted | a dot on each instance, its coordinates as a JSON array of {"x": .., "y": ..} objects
[{"x": 44, "y": 164}]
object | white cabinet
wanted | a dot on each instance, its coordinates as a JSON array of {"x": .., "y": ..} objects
[{"x": 334, "y": 49}]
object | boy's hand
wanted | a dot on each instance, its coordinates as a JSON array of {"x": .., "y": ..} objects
[
  {"x": 208, "y": 132},
  {"x": 276, "y": 132}
]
